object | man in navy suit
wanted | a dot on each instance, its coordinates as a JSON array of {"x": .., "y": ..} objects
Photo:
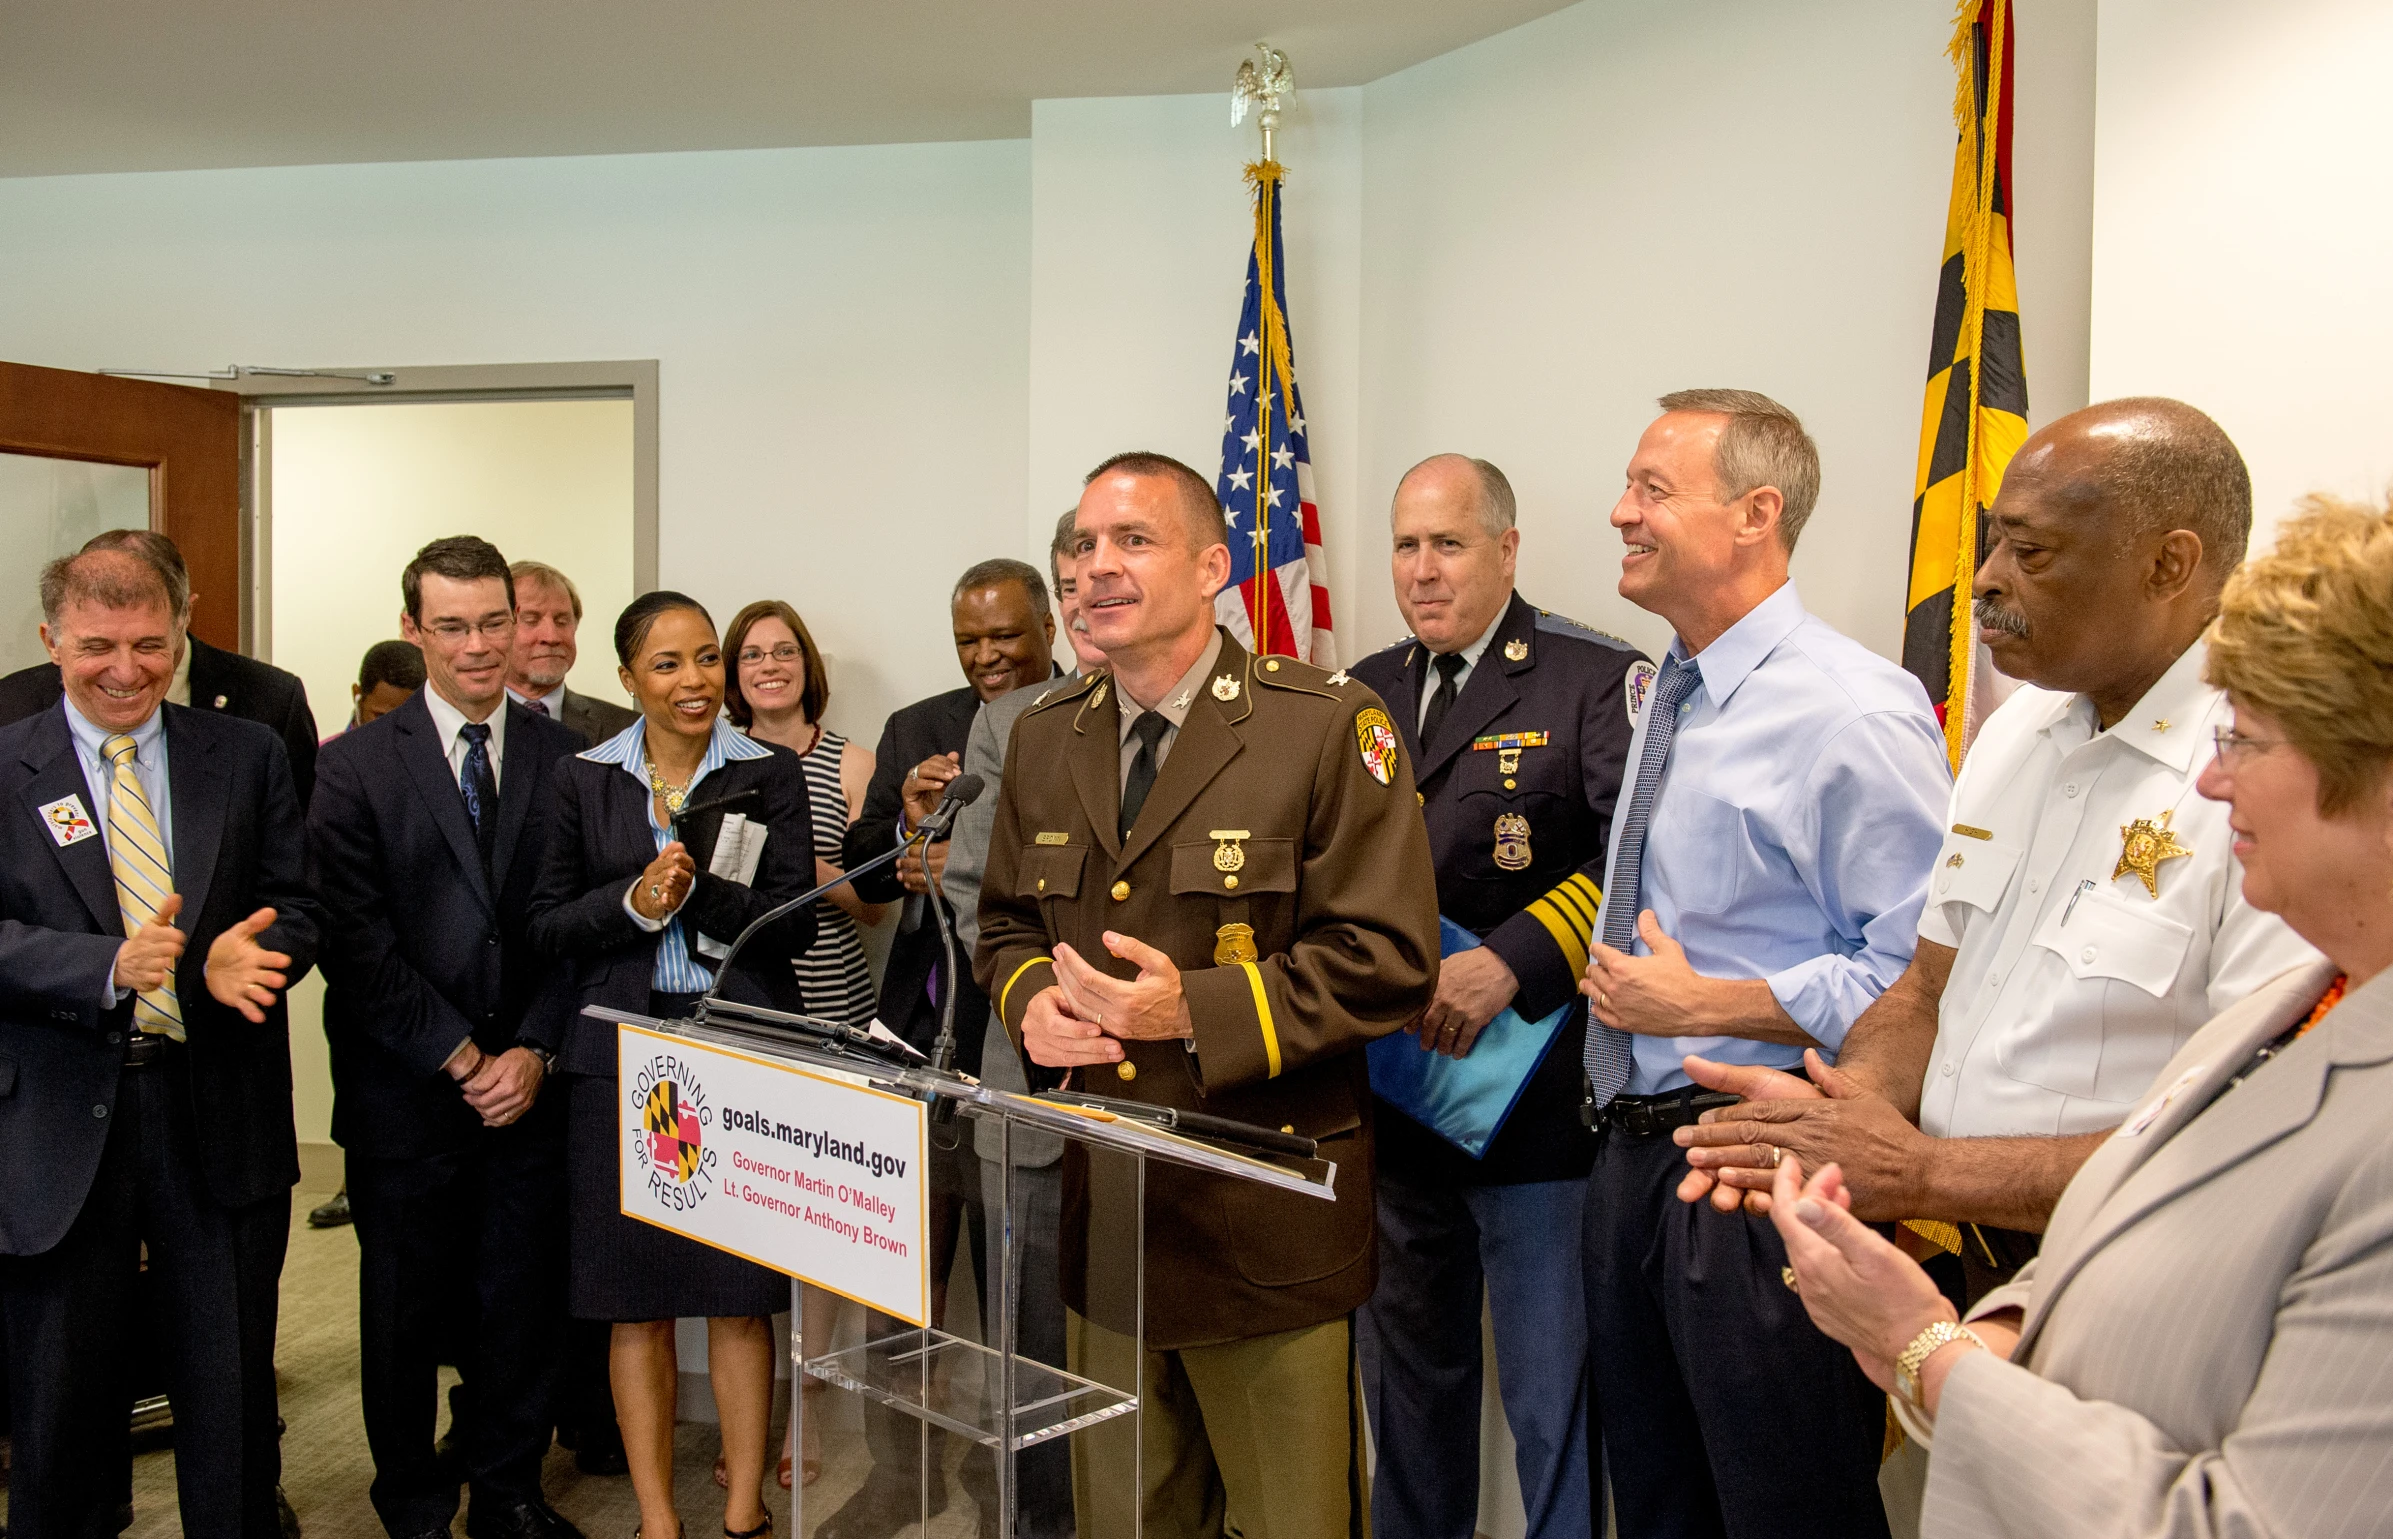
[
  {"x": 153, "y": 909},
  {"x": 425, "y": 836}
]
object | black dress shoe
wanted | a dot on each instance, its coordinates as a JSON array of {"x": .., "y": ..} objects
[
  {"x": 881, "y": 1507},
  {"x": 522, "y": 1520},
  {"x": 332, "y": 1214}
]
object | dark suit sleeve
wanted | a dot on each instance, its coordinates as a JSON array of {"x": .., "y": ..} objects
[
  {"x": 282, "y": 875},
  {"x": 569, "y": 917},
  {"x": 298, "y": 729},
  {"x": 875, "y": 831},
  {"x": 399, "y": 1008},
  {"x": 1546, "y": 943},
  {"x": 721, "y": 908}
]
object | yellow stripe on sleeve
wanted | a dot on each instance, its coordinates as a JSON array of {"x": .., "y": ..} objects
[
  {"x": 1569, "y": 938},
  {"x": 1007, "y": 992},
  {"x": 1271, "y": 1036}
]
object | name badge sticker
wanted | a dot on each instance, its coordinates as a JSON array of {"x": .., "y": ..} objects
[{"x": 69, "y": 822}]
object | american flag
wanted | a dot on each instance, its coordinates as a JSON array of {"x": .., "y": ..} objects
[{"x": 1277, "y": 600}]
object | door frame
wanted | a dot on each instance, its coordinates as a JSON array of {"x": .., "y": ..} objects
[{"x": 634, "y": 380}]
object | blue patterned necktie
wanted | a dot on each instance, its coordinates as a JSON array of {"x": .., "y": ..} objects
[
  {"x": 1611, "y": 1055},
  {"x": 480, "y": 786}
]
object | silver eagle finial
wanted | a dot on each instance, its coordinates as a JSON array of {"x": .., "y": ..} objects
[{"x": 1264, "y": 83}]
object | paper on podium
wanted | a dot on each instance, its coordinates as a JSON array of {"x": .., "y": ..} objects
[{"x": 1465, "y": 1100}]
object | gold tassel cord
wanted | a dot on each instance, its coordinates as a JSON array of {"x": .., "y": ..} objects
[{"x": 1274, "y": 372}]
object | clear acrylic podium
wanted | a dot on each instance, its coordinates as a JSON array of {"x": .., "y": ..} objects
[{"x": 1015, "y": 1411}]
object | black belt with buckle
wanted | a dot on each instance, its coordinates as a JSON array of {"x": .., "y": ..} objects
[
  {"x": 143, "y": 1048},
  {"x": 1651, "y": 1116}
]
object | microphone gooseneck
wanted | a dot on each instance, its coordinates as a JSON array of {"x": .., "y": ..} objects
[{"x": 961, "y": 793}]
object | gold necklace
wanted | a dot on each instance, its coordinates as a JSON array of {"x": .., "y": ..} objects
[{"x": 673, "y": 796}]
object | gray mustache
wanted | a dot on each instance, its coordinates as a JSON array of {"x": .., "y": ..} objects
[{"x": 1995, "y": 617}]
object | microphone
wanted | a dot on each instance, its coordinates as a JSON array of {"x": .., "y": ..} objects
[{"x": 961, "y": 793}]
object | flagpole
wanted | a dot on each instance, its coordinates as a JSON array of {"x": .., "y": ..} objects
[{"x": 1264, "y": 82}]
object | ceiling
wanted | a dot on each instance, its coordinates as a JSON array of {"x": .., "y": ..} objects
[{"x": 149, "y": 85}]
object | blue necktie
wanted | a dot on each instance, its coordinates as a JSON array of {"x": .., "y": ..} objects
[
  {"x": 481, "y": 788},
  {"x": 1611, "y": 1055}
]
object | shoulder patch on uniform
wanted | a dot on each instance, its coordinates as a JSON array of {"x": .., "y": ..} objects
[
  {"x": 1637, "y": 683},
  {"x": 1562, "y": 625},
  {"x": 1375, "y": 740},
  {"x": 1062, "y": 690}
]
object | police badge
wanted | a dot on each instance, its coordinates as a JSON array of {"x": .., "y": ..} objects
[{"x": 1512, "y": 842}]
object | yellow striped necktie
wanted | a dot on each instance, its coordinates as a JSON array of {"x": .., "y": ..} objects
[{"x": 137, "y": 854}]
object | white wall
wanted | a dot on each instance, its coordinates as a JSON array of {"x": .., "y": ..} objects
[
  {"x": 1141, "y": 222},
  {"x": 1634, "y": 196},
  {"x": 841, "y": 338},
  {"x": 2243, "y": 220}
]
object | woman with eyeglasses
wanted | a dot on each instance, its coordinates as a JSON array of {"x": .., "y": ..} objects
[
  {"x": 776, "y": 690},
  {"x": 634, "y": 899},
  {"x": 2205, "y": 1344}
]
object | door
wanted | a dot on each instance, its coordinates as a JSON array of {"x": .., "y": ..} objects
[{"x": 80, "y": 453}]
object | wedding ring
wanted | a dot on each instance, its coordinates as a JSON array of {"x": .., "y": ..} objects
[
  {"x": 1776, "y": 1155},
  {"x": 656, "y": 892}
]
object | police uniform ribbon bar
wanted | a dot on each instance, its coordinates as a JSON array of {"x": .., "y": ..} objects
[{"x": 1509, "y": 740}]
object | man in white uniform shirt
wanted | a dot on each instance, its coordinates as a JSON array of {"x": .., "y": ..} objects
[{"x": 2085, "y": 914}]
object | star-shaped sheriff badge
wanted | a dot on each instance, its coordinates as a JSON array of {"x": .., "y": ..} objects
[{"x": 2142, "y": 847}]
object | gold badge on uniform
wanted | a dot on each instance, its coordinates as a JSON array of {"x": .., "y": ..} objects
[
  {"x": 1053, "y": 838},
  {"x": 1225, "y": 688},
  {"x": 1516, "y": 649},
  {"x": 1508, "y": 761},
  {"x": 2142, "y": 847},
  {"x": 1233, "y": 944},
  {"x": 1229, "y": 854},
  {"x": 1096, "y": 697},
  {"x": 1512, "y": 842},
  {"x": 1375, "y": 739}
]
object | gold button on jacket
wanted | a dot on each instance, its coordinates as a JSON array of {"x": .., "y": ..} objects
[{"x": 1338, "y": 892}]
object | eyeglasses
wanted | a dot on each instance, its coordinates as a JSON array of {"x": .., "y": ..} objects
[
  {"x": 789, "y": 652},
  {"x": 450, "y": 632},
  {"x": 2234, "y": 748}
]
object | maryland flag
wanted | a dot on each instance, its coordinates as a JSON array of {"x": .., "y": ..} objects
[{"x": 1976, "y": 412}]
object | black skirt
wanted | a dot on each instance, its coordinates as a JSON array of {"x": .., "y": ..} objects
[{"x": 622, "y": 1269}]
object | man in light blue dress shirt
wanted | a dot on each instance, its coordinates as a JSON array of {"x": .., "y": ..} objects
[{"x": 1768, "y": 864}]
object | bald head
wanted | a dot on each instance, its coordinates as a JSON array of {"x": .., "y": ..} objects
[
  {"x": 1463, "y": 481},
  {"x": 2113, "y": 532},
  {"x": 2142, "y": 466}
]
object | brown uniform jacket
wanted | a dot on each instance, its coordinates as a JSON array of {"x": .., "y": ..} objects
[{"x": 1336, "y": 883}]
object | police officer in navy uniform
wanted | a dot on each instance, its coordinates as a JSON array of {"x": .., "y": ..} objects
[{"x": 1518, "y": 726}]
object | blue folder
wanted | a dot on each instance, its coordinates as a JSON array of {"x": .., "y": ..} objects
[{"x": 1464, "y": 1100}]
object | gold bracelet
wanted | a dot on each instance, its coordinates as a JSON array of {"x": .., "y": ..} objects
[{"x": 1923, "y": 1346}]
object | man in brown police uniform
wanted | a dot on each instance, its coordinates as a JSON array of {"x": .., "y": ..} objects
[{"x": 1209, "y": 887}]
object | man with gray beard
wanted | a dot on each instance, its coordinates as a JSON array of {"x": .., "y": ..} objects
[{"x": 2086, "y": 911}]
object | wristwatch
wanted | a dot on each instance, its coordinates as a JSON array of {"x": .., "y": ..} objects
[{"x": 1923, "y": 1346}]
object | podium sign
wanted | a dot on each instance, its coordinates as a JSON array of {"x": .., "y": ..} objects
[{"x": 798, "y": 1171}]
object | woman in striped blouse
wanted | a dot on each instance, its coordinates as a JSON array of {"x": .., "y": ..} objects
[{"x": 778, "y": 690}]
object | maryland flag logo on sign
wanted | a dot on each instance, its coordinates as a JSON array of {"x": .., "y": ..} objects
[
  {"x": 671, "y": 1125},
  {"x": 1976, "y": 412}
]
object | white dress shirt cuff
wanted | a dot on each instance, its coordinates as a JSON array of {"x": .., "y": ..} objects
[
  {"x": 638, "y": 918},
  {"x": 110, "y": 995}
]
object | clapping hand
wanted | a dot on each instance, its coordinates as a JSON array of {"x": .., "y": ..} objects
[
  {"x": 242, "y": 973},
  {"x": 665, "y": 885},
  {"x": 147, "y": 961},
  {"x": 1148, "y": 1008}
]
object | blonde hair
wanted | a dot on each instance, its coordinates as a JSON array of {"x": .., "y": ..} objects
[{"x": 2305, "y": 636}]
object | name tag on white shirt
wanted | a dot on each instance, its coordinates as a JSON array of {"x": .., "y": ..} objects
[{"x": 69, "y": 822}]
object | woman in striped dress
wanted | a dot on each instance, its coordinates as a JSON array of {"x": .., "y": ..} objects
[{"x": 777, "y": 690}]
